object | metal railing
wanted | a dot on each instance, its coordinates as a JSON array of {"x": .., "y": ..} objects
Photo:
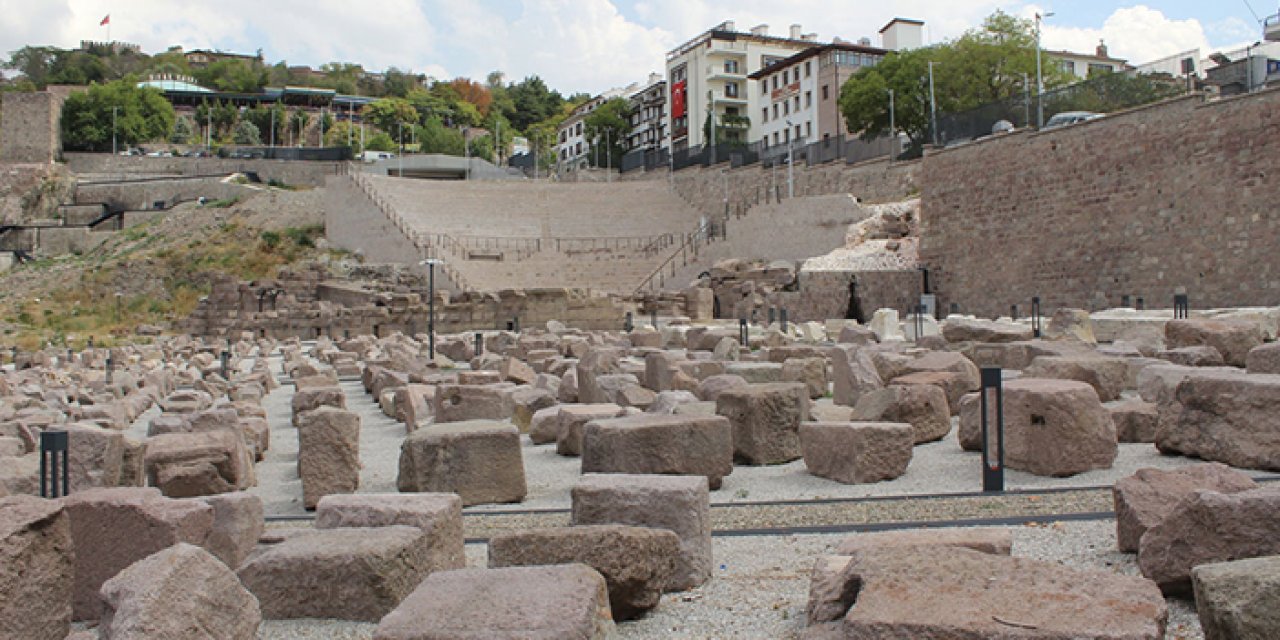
[{"x": 689, "y": 247}]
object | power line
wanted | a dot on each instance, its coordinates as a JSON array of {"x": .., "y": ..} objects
[{"x": 1255, "y": 13}]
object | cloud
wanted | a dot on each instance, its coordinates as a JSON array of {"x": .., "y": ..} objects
[{"x": 1138, "y": 34}]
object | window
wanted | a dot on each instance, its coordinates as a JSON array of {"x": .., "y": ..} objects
[
  {"x": 764, "y": 87},
  {"x": 797, "y": 101},
  {"x": 731, "y": 89},
  {"x": 808, "y": 129},
  {"x": 808, "y": 99},
  {"x": 1068, "y": 66},
  {"x": 797, "y": 132},
  {"x": 786, "y": 108},
  {"x": 806, "y": 68},
  {"x": 775, "y": 111},
  {"x": 731, "y": 111},
  {"x": 786, "y": 135},
  {"x": 785, "y": 75},
  {"x": 775, "y": 138},
  {"x": 1095, "y": 67},
  {"x": 775, "y": 82},
  {"x": 764, "y": 114},
  {"x": 826, "y": 93}
]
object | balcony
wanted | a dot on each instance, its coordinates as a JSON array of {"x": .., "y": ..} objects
[
  {"x": 726, "y": 72},
  {"x": 726, "y": 48},
  {"x": 740, "y": 98},
  {"x": 1271, "y": 28}
]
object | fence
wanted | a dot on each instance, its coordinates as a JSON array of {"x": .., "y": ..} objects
[
  {"x": 1103, "y": 94},
  {"x": 847, "y": 149}
]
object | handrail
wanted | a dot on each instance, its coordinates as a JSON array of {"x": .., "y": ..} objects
[{"x": 691, "y": 240}]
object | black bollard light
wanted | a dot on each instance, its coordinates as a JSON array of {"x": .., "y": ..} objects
[
  {"x": 225, "y": 357},
  {"x": 111, "y": 365},
  {"x": 992, "y": 465},
  {"x": 772, "y": 313},
  {"x": 782, "y": 315},
  {"x": 627, "y": 323},
  {"x": 1013, "y": 312},
  {"x": 1035, "y": 316},
  {"x": 1181, "y": 306},
  {"x": 54, "y": 475},
  {"x": 1139, "y": 304},
  {"x": 653, "y": 317},
  {"x": 742, "y": 331},
  {"x": 479, "y": 343}
]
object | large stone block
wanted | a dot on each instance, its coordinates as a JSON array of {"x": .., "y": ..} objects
[
  {"x": 185, "y": 465},
  {"x": 1056, "y": 428},
  {"x": 438, "y": 515},
  {"x": 857, "y": 452},
  {"x": 571, "y": 420},
  {"x": 660, "y": 444},
  {"x": 1264, "y": 358},
  {"x": 1244, "y": 525},
  {"x": 309, "y": 399},
  {"x": 1225, "y": 417},
  {"x": 1232, "y": 338},
  {"x": 113, "y": 528},
  {"x": 922, "y": 406},
  {"x": 895, "y": 593},
  {"x": 328, "y": 453},
  {"x": 542, "y": 603},
  {"x": 1239, "y": 600},
  {"x": 636, "y": 562},
  {"x": 346, "y": 573},
  {"x": 480, "y": 460},
  {"x": 766, "y": 420},
  {"x": 1147, "y": 497},
  {"x": 460, "y": 402},
  {"x": 681, "y": 504},
  {"x": 238, "y": 522},
  {"x": 1134, "y": 419},
  {"x": 36, "y": 569},
  {"x": 961, "y": 329},
  {"x": 811, "y": 372},
  {"x": 1107, "y": 376},
  {"x": 179, "y": 592}
]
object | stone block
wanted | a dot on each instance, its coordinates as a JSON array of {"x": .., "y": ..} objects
[
  {"x": 657, "y": 444},
  {"x": 571, "y": 420},
  {"x": 922, "y": 406},
  {"x": 460, "y": 402},
  {"x": 1056, "y": 428},
  {"x": 811, "y": 372},
  {"x": 328, "y": 453},
  {"x": 185, "y": 465},
  {"x": 178, "y": 592},
  {"x": 559, "y": 601},
  {"x": 438, "y": 515},
  {"x": 636, "y": 562},
  {"x": 238, "y": 522},
  {"x": 311, "y": 398},
  {"x": 681, "y": 504},
  {"x": 1238, "y": 600},
  {"x": 1107, "y": 376},
  {"x": 1232, "y": 338},
  {"x": 36, "y": 569},
  {"x": 765, "y": 419},
  {"x": 1264, "y": 358},
  {"x": 857, "y": 452},
  {"x": 1134, "y": 419},
  {"x": 113, "y": 528},
  {"x": 1146, "y": 498},
  {"x": 357, "y": 573},
  {"x": 1223, "y": 416},
  {"x": 480, "y": 460}
]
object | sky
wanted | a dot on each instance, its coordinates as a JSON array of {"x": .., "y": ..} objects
[{"x": 590, "y": 45}]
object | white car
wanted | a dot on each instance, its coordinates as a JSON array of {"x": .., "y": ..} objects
[{"x": 1071, "y": 117}]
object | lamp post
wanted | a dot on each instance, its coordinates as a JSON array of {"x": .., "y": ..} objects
[
  {"x": 113, "y": 129},
  {"x": 400, "y": 158},
  {"x": 431, "y": 304},
  {"x": 893, "y": 129},
  {"x": 466, "y": 150},
  {"x": 933, "y": 107},
  {"x": 1039, "y": 74},
  {"x": 791, "y": 176}
]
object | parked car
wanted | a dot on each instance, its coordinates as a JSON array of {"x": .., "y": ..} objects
[
  {"x": 131, "y": 152},
  {"x": 1070, "y": 117}
]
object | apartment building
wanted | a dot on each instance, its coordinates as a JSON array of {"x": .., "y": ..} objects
[
  {"x": 707, "y": 76},
  {"x": 799, "y": 96},
  {"x": 1082, "y": 65},
  {"x": 649, "y": 116},
  {"x": 573, "y": 149}
]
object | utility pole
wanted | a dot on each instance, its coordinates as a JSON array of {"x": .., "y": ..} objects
[
  {"x": 791, "y": 176},
  {"x": 1026, "y": 99},
  {"x": 208, "y": 129},
  {"x": 113, "y": 129},
  {"x": 466, "y": 150},
  {"x": 351, "y": 112},
  {"x": 400, "y": 158},
  {"x": 497, "y": 154},
  {"x": 1039, "y": 75},
  {"x": 273, "y": 127},
  {"x": 893, "y": 129},
  {"x": 933, "y": 107},
  {"x": 608, "y": 158}
]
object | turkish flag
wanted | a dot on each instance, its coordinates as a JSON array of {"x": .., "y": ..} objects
[{"x": 105, "y": 21}]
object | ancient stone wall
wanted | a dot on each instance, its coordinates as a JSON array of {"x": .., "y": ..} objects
[
  {"x": 1178, "y": 194},
  {"x": 824, "y": 295},
  {"x": 292, "y": 172},
  {"x": 29, "y": 127}
]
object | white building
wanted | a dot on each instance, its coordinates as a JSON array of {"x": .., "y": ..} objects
[
  {"x": 573, "y": 149},
  {"x": 649, "y": 117},
  {"x": 1082, "y": 65},
  {"x": 707, "y": 77},
  {"x": 800, "y": 94}
]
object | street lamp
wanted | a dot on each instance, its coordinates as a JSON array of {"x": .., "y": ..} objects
[
  {"x": 791, "y": 176},
  {"x": 893, "y": 129},
  {"x": 431, "y": 304},
  {"x": 933, "y": 107},
  {"x": 1039, "y": 74},
  {"x": 400, "y": 159},
  {"x": 113, "y": 129}
]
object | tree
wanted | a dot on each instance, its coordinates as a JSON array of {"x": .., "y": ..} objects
[
  {"x": 437, "y": 138},
  {"x": 985, "y": 65},
  {"x": 482, "y": 147},
  {"x": 607, "y": 129},
  {"x": 246, "y": 133},
  {"x": 183, "y": 131},
  {"x": 532, "y": 101},
  {"x": 474, "y": 93},
  {"x": 265, "y": 118},
  {"x": 141, "y": 115},
  {"x": 380, "y": 141},
  {"x": 33, "y": 63},
  {"x": 398, "y": 84},
  {"x": 1114, "y": 91},
  {"x": 298, "y": 121},
  {"x": 338, "y": 134},
  {"x": 237, "y": 76},
  {"x": 389, "y": 113}
]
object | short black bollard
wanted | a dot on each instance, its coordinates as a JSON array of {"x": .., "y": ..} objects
[
  {"x": 479, "y": 343},
  {"x": 90, "y": 342},
  {"x": 627, "y": 323},
  {"x": 54, "y": 475},
  {"x": 772, "y": 313},
  {"x": 1139, "y": 304},
  {"x": 1181, "y": 306},
  {"x": 111, "y": 366},
  {"x": 1124, "y": 301},
  {"x": 225, "y": 358},
  {"x": 70, "y": 356},
  {"x": 782, "y": 317},
  {"x": 992, "y": 469},
  {"x": 1013, "y": 312},
  {"x": 515, "y": 324},
  {"x": 742, "y": 331},
  {"x": 653, "y": 318},
  {"x": 1035, "y": 316}
]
